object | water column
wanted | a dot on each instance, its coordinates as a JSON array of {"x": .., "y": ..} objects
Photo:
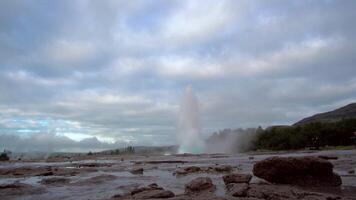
[{"x": 189, "y": 129}]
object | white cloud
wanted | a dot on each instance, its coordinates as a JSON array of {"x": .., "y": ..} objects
[
  {"x": 65, "y": 52},
  {"x": 197, "y": 21}
]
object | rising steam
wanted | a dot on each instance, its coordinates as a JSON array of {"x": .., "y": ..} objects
[{"x": 189, "y": 130}]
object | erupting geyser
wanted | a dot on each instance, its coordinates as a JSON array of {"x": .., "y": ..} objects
[{"x": 189, "y": 130}]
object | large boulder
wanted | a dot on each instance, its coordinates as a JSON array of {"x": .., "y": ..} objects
[
  {"x": 309, "y": 171},
  {"x": 199, "y": 184}
]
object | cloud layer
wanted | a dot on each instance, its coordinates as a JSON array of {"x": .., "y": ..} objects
[{"x": 116, "y": 70}]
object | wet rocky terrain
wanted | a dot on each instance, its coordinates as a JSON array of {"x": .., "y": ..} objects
[{"x": 298, "y": 175}]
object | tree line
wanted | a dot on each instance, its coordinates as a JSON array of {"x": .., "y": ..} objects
[{"x": 340, "y": 133}]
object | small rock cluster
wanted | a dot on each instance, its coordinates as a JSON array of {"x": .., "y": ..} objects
[
  {"x": 237, "y": 185},
  {"x": 195, "y": 169},
  {"x": 152, "y": 191}
]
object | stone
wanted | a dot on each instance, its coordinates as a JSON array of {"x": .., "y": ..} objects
[
  {"x": 141, "y": 189},
  {"x": 304, "y": 171},
  {"x": 54, "y": 181},
  {"x": 138, "y": 170},
  {"x": 96, "y": 180},
  {"x": 237, "y": 178},
  {"x": 187, "y": 170},
  {"x": 237, "y": 189},
  {"x": 152, "y": 191},
  {"x": 328, "y": 157},
  {"x": 152, "y": 194},
  {"x": 8, "y": 191},
  {"x": 223, "y": 168},
  {"x": 50, "y": 173},
  {"x": 199, "y": 184}
]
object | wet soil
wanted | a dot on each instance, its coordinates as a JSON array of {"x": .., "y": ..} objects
[{"x": 106, "y": 177}]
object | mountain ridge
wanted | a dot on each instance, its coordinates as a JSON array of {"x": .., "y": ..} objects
[{"x": 345, "y": 112}]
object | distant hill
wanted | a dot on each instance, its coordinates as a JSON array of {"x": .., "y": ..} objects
[{"x": 346, "y": 112}]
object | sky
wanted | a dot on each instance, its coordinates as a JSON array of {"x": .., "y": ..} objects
[{"x": 79, "y": 75}]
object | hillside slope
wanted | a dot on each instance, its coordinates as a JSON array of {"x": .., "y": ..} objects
[{"x": 346, "y": 112}]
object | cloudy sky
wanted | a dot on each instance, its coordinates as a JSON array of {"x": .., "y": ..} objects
[{"x": 101, "y": 74}]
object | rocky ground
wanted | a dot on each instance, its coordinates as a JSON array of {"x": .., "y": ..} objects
[{"x": 298, "y": 175}]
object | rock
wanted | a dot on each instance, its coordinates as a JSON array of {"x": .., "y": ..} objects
[
  {"x": 50, "y": 173},
  {"x": 96, "y": 180},
  {"x": 116, "y": 196},
  {"x": 328, "y": 157},
  {"x": 223, "y": 168},
  {"x": 153, "y": 185},
  {"x": 180, "y": 172},
  {"x": 14, "y": 186},
  {"x": 237, "y": 178},
  {"x": 8, "y": 191},
  {"x": 237, "y": 189},
  {"x": 81, "y": 165},
  {"x": 199, "y": 184},
  {"x": 54, "y": 181},
  {"x": 279, "y": 192},
  {"x": 310, "y": 171},
  {"x": 251, "y": 158},
  {"x": 187, "y": 170},
  {"x": 141, "y": 189},
  {"x": 352, "y": 171},
  {"x": 138, "y": 170},
  {"x": 152, "y": 194},
  {"x": 192, "y": 169}
]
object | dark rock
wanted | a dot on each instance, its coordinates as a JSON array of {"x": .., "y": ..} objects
[
  {"x": 54, "y": 181},
  {"x": 50, "y": 173},
  {"x": 137, "y": 170},
  {"x": 237, "y": 189},
  {"x": 14, "y": 186},
  {"x": 81, "y": 165},
  {"x": 328, "y": 157},
  {"x": 237, "y": 178},
  {"x": 279, "y": 192},
  {"x": 199, "y": 184},
  {"x": 192, "y": 169},
  {"x": 187, "y": 170},
  {"x": 141, "y": 189},
  {"x": 116, "y": 196},
  {"x": 223, "y": 168},
  {"x": 309, "y": 171},
  {"x": 352, "y": 171},
  {"x": 152, "y": 194},
  {"x": 96, "y": 180},
  {"x": 153, "y": 185},
  {"x": 8, "y": 191}
]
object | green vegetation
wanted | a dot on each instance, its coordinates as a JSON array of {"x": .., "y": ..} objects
[
  {"x": 314, "y": 134},
  {"x": 4, "y": 156}
]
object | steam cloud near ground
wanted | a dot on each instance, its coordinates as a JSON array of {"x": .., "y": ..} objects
[
  {"x": 231, "y": 141},
  {"x": 49, "y": 142}
]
